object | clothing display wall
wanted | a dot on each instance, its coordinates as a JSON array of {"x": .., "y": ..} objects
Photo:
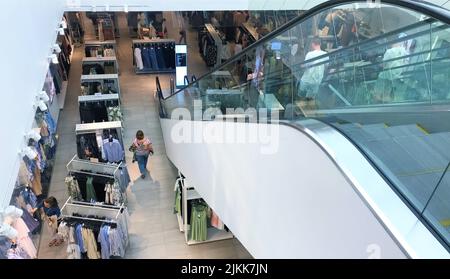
[
  {"x": 154, "y": 57},
  {"x": 14, "y": 227}
]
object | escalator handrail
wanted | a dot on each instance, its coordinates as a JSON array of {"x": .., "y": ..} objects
[{"x": 425, "y": 8}]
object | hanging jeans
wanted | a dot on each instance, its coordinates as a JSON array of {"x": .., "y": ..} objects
[
  {"x": 142, "y": 163},
  {"x": 160, "y": 58},
  {"x": 146, "y": 58},
  {"x": 153, "y": 58}
]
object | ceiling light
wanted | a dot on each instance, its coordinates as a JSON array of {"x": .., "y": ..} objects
[
  {"x": 107, "y": 8},
  {"x": 94, "y": 9},
  {"x": 125, "y": 8}
]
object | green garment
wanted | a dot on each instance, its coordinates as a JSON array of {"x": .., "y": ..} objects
[
  {"x": 90, "y": 192},
  {"x": 199, "y": 227},
  {"x": 177, "y": 206}
]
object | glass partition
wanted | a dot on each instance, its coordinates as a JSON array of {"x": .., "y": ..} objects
[{"x": 378, "y": 73}]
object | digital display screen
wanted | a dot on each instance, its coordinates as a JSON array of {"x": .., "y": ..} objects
[
  {"x": 180, "y": 64},
  {"x": 276, "y": 46}
]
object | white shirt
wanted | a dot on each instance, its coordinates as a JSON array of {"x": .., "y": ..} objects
[
  {"x": 138, "y": 58},
  {"x": 394, "y": 53},
  {"x": 314, "y": 74}
]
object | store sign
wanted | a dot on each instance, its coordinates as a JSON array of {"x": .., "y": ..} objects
[{"x": 180, "y": 64}]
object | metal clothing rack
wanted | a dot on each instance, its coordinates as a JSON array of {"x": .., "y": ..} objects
[
  {"x": 102, "y": 44},
  {"x": 112, "y": 213},
  {"x": 88, "y": 128},
  {"x": 217, "y": 41},
  {"x": 77, "y": 165},
  {"x": 139, "y": 42},
  {"x": 98, "y": 98},
  {"x": 102, "y": 79},
  {"x": 102, "y": 61},
  {"x": 188, "y": 194}
]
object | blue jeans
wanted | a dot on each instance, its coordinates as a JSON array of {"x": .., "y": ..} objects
[{"x": 142, "y": 163}]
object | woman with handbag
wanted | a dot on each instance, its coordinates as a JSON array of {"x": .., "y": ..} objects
[
  {"x": 142, "y": 147},
  {"x": 51, "y": 214}
]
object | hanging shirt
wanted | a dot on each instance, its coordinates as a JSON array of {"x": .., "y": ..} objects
[
  {"x": 113, "y": 151},
  {"x": 314, "y": 73},
  {"x": 138, "y": 58},
  {"x": 396, "y": 54}
]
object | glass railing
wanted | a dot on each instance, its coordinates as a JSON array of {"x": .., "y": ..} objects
[{"x": 377, "y": 72}]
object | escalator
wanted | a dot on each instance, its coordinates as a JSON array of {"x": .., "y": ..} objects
[{"x": 356, "y": 96}]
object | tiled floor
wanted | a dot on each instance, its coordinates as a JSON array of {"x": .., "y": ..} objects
[{"x": 154, "y": 229}]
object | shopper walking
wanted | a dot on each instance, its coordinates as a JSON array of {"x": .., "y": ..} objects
[
  {"x": 51, "y": 215},
  {"x": 142, "y": 148}
]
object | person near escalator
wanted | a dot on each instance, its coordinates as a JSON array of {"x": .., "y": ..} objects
[
  {"x": 142, "y": 149},
  {"x": 314, "y": 71}
]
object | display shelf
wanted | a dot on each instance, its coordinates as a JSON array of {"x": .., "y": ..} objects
[
  {"x": 89, "y": 127},
  {"x": 99, "y": 77},
  {"x": 192, "y": 195},
  {"x": 96, "y": 43},
  {"x": 213, "y": 235},
  {"x": 98, "y": 98}
]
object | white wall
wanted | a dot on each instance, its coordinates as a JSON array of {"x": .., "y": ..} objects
[
  {"x": 28, "y": 29},
  {"x": 292, "y": 204}
]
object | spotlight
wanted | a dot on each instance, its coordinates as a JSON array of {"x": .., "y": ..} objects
[
  {"x": 94, "y": 8},
  {"x": 107, "y": 8},
  {"x": 60, "y": 31},
  {"x": 30, "y": 153},
  {"x": 54, "y": 58},
  {"x": 43, "y": 96},
  {"x": 56, "y": 48},
  {"x": 125, "y": 8}
]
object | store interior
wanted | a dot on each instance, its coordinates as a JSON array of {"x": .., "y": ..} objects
[{"x": 99, "y": 91}]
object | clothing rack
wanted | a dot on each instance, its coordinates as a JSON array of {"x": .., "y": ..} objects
[
  {"x": 98, "y": 98},
  {"x": 101, "y": 44},
  {"x": 250, "y": 30},
  {"x": 100, "y": 126},
  {"x": 76, "y": 165},
  {"x": 215, "y": 35},
  {"x": 88, "y": 209},
  {"x": 102, "y": 61},
  {"x": 102, "y": 79},
  {"x": 167, "y": 57},
  {"x": 190, "y": 194}
]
